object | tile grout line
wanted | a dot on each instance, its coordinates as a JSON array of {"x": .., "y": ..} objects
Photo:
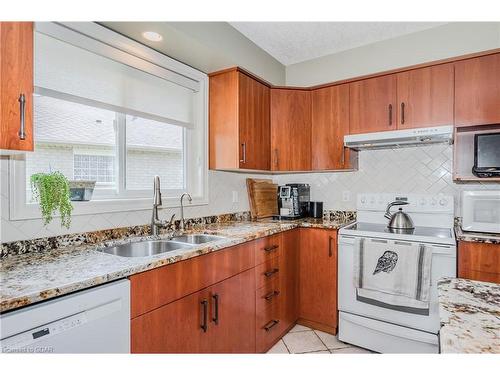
[
  {"x": 284, "y": 343},
  {"x": 321, "y": 340}
]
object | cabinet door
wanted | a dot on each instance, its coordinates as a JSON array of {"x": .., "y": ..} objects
[
  {"x": 290, "y": 278},
  {"x": 174, "y": 328},
  {"x": 372, "y": 105},
  {"x": 16, "y": 85},
  {"x": 290, "y": 130},
  {"x": 254, "y": 124},
  {"x": 232, "y": 315},
  {"x": 425, "y": 97},
  {"x": 477, "y": 91},
  {"x": 318, "y": 278},
  {"x": 479, "y": 261},
  {"x": 330, "y": 122}
]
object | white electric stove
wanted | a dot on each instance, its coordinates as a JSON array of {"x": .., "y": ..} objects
[{"x": 383, "y": 328}]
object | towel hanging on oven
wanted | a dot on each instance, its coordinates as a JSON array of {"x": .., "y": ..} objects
[{"x": 392, "y": 273}]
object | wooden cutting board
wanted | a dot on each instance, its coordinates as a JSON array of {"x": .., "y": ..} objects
[{"x": 262, "y": 196}]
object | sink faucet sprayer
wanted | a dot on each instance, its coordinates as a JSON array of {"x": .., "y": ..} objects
[
  {"x": 156, "y": 223},
  {"x": 183, "y": 224}
]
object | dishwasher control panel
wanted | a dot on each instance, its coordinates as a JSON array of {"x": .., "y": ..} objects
[{"x": 25, "y": 339}]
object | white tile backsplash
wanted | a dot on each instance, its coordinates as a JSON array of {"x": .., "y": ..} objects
[{"x": 425, "y": 170}]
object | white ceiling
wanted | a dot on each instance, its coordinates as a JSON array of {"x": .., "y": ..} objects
[{"x": 293, "y": 42}]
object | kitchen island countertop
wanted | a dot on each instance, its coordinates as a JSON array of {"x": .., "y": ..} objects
[{"x": 469, "y": 311}]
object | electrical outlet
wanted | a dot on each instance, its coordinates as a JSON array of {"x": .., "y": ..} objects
[
  {"x": 346, "y": 196},
  {"x": 235, "y": 196}
]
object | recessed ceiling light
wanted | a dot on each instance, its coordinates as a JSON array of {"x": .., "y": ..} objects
[{"x": 152, "y": 36}]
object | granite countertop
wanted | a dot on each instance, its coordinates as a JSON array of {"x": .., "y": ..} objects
[
  {"x": 462, "y": 235},
  {"x": 37, "y": 276},
  {"x": 470, "y": 316}
]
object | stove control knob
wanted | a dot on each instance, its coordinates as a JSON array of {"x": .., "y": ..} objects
[
  {"x": 422, "y": 202},
  {"x": 363, "y": 200},
  {"x": 434, "y": 201},
  {"x": 443, "y": 202}
]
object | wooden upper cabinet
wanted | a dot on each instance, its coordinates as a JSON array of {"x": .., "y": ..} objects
[
  {"x": 477, "y": 91},
  {"x": 290, "y": 130},
  {"x": 373, "y": 104},
  {"x": 16, "y": 86},
  {"x": 330, "y": 122},
  {"x": 239, "y": 122},
  {"x": 425, "y": 97}
]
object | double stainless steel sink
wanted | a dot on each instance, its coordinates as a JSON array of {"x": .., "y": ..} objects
[{"x": 153, "y": 247}]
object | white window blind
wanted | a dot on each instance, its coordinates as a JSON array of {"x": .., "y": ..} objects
[{"x": 81, "y": 75}]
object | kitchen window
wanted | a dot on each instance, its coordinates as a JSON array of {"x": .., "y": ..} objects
[{"x": 115, "y": 115}]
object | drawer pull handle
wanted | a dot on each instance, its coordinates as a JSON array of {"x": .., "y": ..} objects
[
  {"x": 271, "y": 248},
  {"x": 215, "y": 319},
  {"x": 270, "y": 273},
  {"x": 330, "y": 249},
  {"x": 204, "y": 324},
  {"x": 272, "y": 294},
  {"x": 271, "y": 324}
]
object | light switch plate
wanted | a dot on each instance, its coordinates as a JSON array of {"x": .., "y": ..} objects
[
  {"x": 346, "y": 196},
  {"x": 235, "y": 196}
]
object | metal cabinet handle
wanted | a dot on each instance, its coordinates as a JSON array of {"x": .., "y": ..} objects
[
  {"x": 243, "y": 153},
  {"x": 343, "y": 156},
  {"x": 271, "y": 324},
  {"x": 276, "y": 158},
  {"x": 22, "y": 109},
  {"x": 272, "y": 294},
  {"x": 330, "y": 250},
  {"x": 390, "y": 114},
  {"x": 215, "y": 319},
  {"x": 271, "y": 248},
  {"x": 402, "y": 112},
  {"x": 270, "y": 273},
  {"x": 204, "y": 323}
]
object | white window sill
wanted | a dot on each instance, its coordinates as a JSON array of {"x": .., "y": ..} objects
[{"x": 32, "y": 210}]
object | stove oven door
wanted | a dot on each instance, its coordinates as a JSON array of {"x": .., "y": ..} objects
[{"x": 443, "y": 264}]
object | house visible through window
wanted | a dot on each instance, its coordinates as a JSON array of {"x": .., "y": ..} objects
[{"x": 82, "y": 142}]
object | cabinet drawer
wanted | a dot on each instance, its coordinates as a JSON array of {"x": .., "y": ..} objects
[
  {"x": 152, "y": 289},
  {"x": 479, "y": 261},
  {"x": 268, "y": 295},
  {"x": 267, "y": 272},
  {"x": 267, "y": 248},
  {"x": 268, "y": 327}
]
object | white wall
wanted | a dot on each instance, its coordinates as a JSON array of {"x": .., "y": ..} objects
[
  {"x": 206, "y": 46},
  {"x": 442, "y": 42}
]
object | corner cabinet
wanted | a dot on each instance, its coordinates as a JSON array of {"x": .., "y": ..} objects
[
  {"x": 330, "y": 122},
  {"x": 290, "y": 130},
  {"x": 477, "y": 91},
  {"x": 239, "y": 122},
  {"x": 16, "y": 86}
]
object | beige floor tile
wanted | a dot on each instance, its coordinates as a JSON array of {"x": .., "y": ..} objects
[
  {"x": 299, "y": 328},
  {"x": 303, "y": 342},
  {"x": 278, "y": 348},
  {"x": 331, "y": 341},
  {"x": 351, "y": 350},
  {"x": 319, "y": 352}
]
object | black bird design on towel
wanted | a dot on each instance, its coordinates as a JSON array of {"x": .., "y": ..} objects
[{"x": 386, "y": 262}]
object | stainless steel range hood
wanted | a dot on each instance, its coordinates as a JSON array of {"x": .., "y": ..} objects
[{"x": 400, "y": 138}]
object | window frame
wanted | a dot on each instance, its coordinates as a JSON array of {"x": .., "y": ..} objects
[{"x": 99, "y": 39}]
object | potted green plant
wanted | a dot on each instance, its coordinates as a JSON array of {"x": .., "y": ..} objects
[{"x": 52, "y": 192}]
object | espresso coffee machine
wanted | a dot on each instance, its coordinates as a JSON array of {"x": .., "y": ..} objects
[{"x": 293, "y": 201}]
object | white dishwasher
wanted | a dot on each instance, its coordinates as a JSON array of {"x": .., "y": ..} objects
[{"x": 96, "y": 320}]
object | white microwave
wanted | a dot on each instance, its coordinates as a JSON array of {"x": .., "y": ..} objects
[{"x": 481, "y": 211}]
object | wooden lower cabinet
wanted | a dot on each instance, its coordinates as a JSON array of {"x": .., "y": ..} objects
[
  {"x": 242, "y": 299},
  {"x": 318, "y": 279},
  {"x": 218, "y": 319},
  {"x": 479, "y": 261}
]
